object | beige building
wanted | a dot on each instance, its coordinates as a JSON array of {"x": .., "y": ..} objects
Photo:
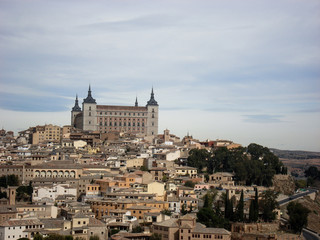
[
  {"x": 136, "y": 119},
  {"x": 186, "y": 228},
  {"x": 183, "y": 171},
  {"x": 45, "y": 133},
  {"x": 222, "y": 178},
  {"x": 156, "y": 188}
]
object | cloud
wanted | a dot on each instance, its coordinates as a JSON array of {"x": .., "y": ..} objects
[
  {"x": 259, "y": 64},
  {"x": 140, "y": 23},
  {"x": 263, "y": 118}
]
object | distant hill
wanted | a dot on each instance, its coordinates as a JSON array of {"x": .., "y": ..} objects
[{"x": 301, "y": 155}]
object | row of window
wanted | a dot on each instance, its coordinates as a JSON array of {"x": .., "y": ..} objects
[
  {"x": 120, "y": 113},
  {"x": 129, "y": 129},
  {"x": 122, "y": 119},
  {"x": 124, "y": 124},
  {"x": 13, "y": 236}
]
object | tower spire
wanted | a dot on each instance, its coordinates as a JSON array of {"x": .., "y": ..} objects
[
  {"x": 136, "y": 103},
  {"x": 152, "y": 101},
  {"x": 76, "y": 107},
  {"x": 89, "y": 98}
]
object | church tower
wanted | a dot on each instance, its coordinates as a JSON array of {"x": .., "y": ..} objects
[
  {"x": 74, "y": 112},
  {"x": 89, "y": 108},
  {"x": 153, "y": 116}
]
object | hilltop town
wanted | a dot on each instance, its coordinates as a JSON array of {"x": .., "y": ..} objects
[
  {"x": 63, "y": 182},
  {"x": 110, "y": 175}
]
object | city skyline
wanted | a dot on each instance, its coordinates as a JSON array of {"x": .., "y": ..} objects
[{"x": 245, "y": 71}]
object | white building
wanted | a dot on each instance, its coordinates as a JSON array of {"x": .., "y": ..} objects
[
  {"x": 19, "y": 228},
  {"x": 52, "y": 192}
]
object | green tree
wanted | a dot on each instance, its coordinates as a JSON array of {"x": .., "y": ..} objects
[
  {"x": 37, "y": 236},
  {"x": 166, "y": 212},
  {"x": 137, "y": 229},
  {"x": 190, "y": 208},
  {"x": 301, "y": 183},
  {"x": 254, "y": 208},
  {"x": 155, "y": 236},
  {"x": 298, "y": 216},
  {"x": 9, "y": 180},
  {"x": 95, "y": 237},
  {"x": 3, "y": 194},
  {"x": 256, "y": 205},
  {"x": 24, "y": 193},
  {"x": 198, "y": 158},
  {"x": 183, "y": 209},
  {"x": 269, "y": 204},
  {"x": 114, "y": 231},
  {"x": 68, "y": 237},
  {"x": 54, "y": 236},
  {"x": 240, "y": 209},
  {"x": 228, "y": 207},
  {"x": 143, "y": 168},
  {"x": 190, "y": 184},
  {"x": 251, "y": 211},
  {"x": 312, "y": 171},
  {"x": 211, "y": 218},
  {"x": 23, "y": 238},
  {"x": 164, "y": 178}
]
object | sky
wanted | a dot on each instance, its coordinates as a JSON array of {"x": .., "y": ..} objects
[{"x": 246, "y": 71}]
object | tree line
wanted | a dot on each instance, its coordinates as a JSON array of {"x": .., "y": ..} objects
[
  {"x": 260, "y": 210},
  {"x": 24, "y": 193},
  {"x": 254, "y": 164}
]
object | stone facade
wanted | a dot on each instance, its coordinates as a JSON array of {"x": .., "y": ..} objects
[
  {"x": 186, "y": 228},
  {"x": 107, "y": 118}
]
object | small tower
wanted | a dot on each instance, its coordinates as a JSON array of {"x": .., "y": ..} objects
[
  {"x": 74, "y": 112},
  {"x": 136, "y": 103},
  {"x": 166, "y": 134},
  {"x": 89, "y": 109},
  {"x": 12, "y": 195},
  {"x": 153, "y": 115}
]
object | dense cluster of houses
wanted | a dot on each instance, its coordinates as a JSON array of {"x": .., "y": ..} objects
[{"x": 109, "y": 185}]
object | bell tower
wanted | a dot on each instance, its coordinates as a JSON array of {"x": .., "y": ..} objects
[
  {"x": 89, "y": 108},
  {"x": 153, "y": 116},
  {"x": 74, "y": 112}
]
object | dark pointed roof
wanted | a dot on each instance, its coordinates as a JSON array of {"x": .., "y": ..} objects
[
  {"x": 136, "y": 103},
  {"x": 152, "y": 101},
  {"x": 76, "y": 107},
  {"x": 89, "y": 98}
]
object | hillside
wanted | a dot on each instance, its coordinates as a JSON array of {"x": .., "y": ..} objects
[
  {"x": 298, "y": 161},
  {"x": 299, "y": 155}
]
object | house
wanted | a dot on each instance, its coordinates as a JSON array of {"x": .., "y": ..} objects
[
  {"x": 186, "y": 228},
  {"x": 19, "y": 228},
  {"x": 52, "y": 192}
]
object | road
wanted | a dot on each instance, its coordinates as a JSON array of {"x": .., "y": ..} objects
[
  {"x": 307, "y": 234},
  {"x": 295, "y": 196}
]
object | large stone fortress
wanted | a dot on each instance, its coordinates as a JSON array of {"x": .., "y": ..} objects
[{"x": 107, "y": 118}]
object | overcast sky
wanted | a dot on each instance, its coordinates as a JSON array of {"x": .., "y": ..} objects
[{"x": 247, "y": 71}]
